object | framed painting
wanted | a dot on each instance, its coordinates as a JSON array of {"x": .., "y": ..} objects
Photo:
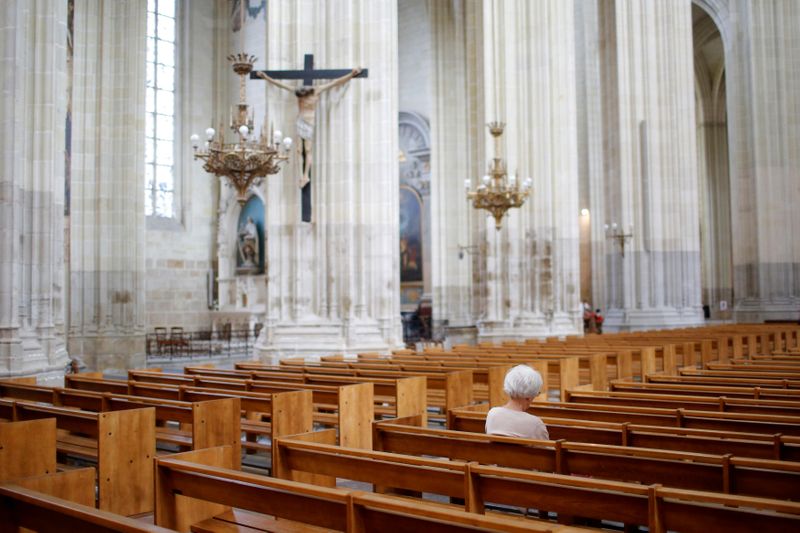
[{"x": 410, "y": 235}]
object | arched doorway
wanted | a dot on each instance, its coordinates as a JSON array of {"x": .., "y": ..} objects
[{"x": 714, "y": 183}]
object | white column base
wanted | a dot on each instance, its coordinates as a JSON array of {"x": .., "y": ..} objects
[
  {"x": 529, "y": 326},
  {"x": 311, "y": 340},
  {"x": 645, "y": 319},
  {"x": 29, "y": 355},
  {"x": 115, "y": 352},
  {"x": 759, "y": 310}
]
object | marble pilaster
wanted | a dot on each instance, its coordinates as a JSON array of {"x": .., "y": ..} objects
[
  {"x": 651, "y": 189},
  {"x": 107, "y": 319},
  {"x": 333, "y": 284},
  {"x": 33, "y": 37},
  {"x": 456, "y": 152},
  {"x": 763, "y": 97},
  {"x": 532, "y": 264}
]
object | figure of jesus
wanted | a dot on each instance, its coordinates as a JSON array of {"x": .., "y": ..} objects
[{"x": 307, "y": 98}]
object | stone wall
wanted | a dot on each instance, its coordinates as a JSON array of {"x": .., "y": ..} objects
[
  {"x": 180, "y": 252},
  {"x": 415, "y": 56},
  {"x": 32, "y": 119}
]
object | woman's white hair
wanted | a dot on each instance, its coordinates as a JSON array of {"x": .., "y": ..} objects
[{"x": 522, "y": 382}]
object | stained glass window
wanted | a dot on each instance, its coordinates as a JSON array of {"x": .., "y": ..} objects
[{"x": 159, "y": 160}]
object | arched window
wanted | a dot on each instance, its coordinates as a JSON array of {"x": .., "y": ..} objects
[{"x": 159, "y": 150}]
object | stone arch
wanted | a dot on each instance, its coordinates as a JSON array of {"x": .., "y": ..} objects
[{"x": 709, "y": 30}]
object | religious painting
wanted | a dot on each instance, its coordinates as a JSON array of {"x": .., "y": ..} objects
[
  {"x": 250, "y": 238},
  {"x": 410, "y": 235}
]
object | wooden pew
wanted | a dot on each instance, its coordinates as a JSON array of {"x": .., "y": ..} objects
[
  {"x": 210, "y": 419},
  {"x": 28, "y": 464},
  {"x": 36, "y": 510},
  {"x": 632, "y": 504},
  {"x": 487, "y": 374},
  {"x": 473, "y": 418},
  {"x": 353, "y": 409},
  {"x": 728, "y": 381},
  {"x": 755, "y": 445},
  {"x": 676, "y": 387},
  {"x": 687, "y": 401},
  {"x": 125, "y": 447},
  {"x": 447, "y": 390},
  {"x": 195, "y": 487},
  {"x": 678, "y": 469}
]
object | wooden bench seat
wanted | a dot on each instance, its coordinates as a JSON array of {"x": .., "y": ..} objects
[
  {"x": 629, "y": 503},
  {"x": 679, "y": 469},
  {"x": 31, "y": 509},
  {"x": 125, "y": 449},
  {"x": 241, "y": 521},
  {"x": 676, "y": 387},
  {"x": 755, "y": 445},
  {"x": 697, "y": 379},
  {"x": 193, "y": 487},
  {"x": 398, "y": 395},
  {"x": 687, "y": 401},
  {"x": 442, "y": 390},
  {"x": 189, "y": 414},
  {"x": 468, "y": 418},
  {"x": 352, "y": 411}
]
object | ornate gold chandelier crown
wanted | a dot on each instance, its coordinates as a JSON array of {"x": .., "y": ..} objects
[
  {"x": 498, "y": 192},
  {"x": 249, "y": 159}
]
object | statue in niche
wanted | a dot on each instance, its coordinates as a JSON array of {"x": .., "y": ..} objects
[{"x": 249, "y": 252}]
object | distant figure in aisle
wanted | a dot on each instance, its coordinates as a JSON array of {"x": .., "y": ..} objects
[
  {"x": 598, "y": 321},
  {"x": 589, "y": 325},
  {"x": 522, "y": 384}
]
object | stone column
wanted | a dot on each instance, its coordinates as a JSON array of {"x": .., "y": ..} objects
[
  {"x": 334, "y": 283},
  {"x": 651, "y": 179},
  {"x": 532, "y": 264},
  {"x": 107, "y": 224},
  {"x": 32, "y": 125},
  {"x": 456, "y": 154},
  {"x": 763, "y": 84},
  {"x": 591, "y": 152}
]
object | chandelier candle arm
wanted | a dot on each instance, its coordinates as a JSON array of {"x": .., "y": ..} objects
[
  {"x": 246, "y": 162},
  {"x": 497, "y": 192}
]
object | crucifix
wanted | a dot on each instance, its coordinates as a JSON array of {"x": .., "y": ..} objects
[{"x": 307, "y": 98}]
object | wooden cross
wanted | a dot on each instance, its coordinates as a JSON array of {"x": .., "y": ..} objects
[{"x": 308, "y": 75}]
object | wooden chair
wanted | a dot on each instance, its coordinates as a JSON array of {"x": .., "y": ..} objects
[
  {"x": 180, "y": 345},
  {"x": 162, "y": 342}
]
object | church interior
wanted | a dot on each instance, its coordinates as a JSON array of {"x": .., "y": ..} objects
[{"x": 282, "y": 265}]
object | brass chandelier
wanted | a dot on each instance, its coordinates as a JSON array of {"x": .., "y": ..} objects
[
  {"x": 248, "y": 160},
  {"x": 498, "y": 192}
]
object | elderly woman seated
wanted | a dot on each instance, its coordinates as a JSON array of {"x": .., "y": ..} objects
[{"x": 522, "y": 384}]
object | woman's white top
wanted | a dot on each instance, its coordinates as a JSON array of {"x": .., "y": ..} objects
[{"x": 510, "y": 423}]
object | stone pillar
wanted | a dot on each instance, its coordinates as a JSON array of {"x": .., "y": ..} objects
[
  {"x": 763, "y": 84},
  {"x": 32, "y": 125},
  {"x": 651, "y": 165},
  {"x": 591, "y": 152},
  {"x": 107, "y": 217},
  {"x": 532, "y": 264},
  {"x": 456, "y": 152},
  {"x": 333, "y": 284}
]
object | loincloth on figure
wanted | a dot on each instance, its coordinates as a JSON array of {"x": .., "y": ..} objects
[{"x": 305, "y": 130}]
